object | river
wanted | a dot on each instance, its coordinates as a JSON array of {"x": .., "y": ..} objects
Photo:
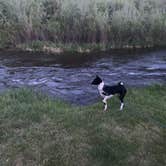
[{"x": 68, "y": 76}]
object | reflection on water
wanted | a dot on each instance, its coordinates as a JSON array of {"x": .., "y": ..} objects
[{"x": 68, "y": 76}]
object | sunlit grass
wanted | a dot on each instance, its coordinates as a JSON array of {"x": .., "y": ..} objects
[{"x": 38, "y": 130}]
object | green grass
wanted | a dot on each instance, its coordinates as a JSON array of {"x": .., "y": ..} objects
[{"x": 38, "y": 130}]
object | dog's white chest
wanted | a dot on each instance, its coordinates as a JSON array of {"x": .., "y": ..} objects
[{"x": 100, "y": 88}]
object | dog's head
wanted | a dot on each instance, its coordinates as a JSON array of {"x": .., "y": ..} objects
[{"x": 96, "y": 81}]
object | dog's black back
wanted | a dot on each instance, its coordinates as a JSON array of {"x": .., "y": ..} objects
[{"x": 116, "y": 89}]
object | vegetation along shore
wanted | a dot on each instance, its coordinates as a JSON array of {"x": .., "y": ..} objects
[
  {"x": 82, "y": 25},
  {"x": 38, "y": 130}
]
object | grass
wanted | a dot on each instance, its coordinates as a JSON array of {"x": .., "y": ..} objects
[{"x": 38, "y": 130}]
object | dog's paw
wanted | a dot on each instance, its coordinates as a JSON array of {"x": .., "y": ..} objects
[{"x": 104, "y": 110}]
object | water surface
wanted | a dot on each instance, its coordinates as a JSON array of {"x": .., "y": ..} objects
[{"x": 69, "y": 76}]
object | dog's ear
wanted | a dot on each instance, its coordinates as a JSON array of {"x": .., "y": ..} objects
[{"x": 98, "y": 77}]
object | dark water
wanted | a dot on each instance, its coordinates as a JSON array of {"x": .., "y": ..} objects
[{"x": 69, "y": 76}]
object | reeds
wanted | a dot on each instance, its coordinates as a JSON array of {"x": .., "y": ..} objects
[{"x": 116, "y": 23}]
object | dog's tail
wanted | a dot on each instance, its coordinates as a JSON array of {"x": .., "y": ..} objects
[{"x": 121, "y": 83}]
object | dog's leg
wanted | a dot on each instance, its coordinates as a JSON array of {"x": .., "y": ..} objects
[
  {"x": 105, "y": 104},
  {"x": 121, "y": 106},
  {"x": 105, "y": 101},
  {"x": 121, "y": 100}
]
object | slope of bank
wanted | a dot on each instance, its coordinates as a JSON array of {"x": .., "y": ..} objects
[{"x": 38, "y": 130}]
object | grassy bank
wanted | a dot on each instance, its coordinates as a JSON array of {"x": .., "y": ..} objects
[
  {"x": 58, "y": 48},
  {"x": 37, "y": 130},
  {"x": 105, "y": 23}
]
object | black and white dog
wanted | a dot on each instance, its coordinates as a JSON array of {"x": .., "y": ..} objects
[{"x": 108, "y": 91}]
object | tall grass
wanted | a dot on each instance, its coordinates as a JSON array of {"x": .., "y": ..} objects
[{"x": 111, "y": 22}]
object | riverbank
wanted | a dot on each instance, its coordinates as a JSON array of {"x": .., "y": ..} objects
[
  {"x": 37, "y": 130},
  {"x": 60, "y": 48},
  {"x": 53, "y": 48}
]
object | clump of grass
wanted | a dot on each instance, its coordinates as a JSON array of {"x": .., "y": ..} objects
[{"x": 38, "y": 130}]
